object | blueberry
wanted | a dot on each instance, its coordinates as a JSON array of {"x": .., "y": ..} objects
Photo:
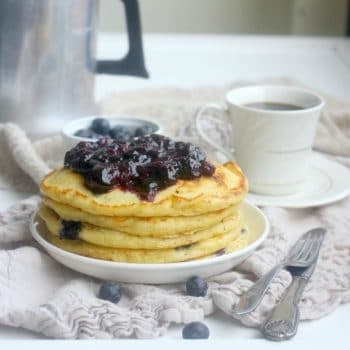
[
  {"x": 100, "y": 126},
  {"x": 120, "y": 132},
  {"x": 87, "y": 133},
  {"x": 82, "y": 133},
  {"x": 195, "y": 330},
  {"x": 96, "y": 136},
  {"x": 196, "y": 286},
  {"x": 110, "y": 291},
  {"x": 208, "y": 169},
  {"x": 143, "y": 131},
  {"x": 70, "y": 229}
]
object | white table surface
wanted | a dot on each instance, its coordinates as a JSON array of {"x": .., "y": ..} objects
[{"x": 179, "y": 60}]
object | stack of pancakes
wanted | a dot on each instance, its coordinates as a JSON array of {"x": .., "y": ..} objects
[{"x": 192, "y": 219}]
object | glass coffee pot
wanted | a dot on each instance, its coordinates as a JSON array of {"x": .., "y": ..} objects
[{"x": 48, "y": 62}]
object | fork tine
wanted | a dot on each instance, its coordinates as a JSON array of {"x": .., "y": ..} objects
[
  {"x": 306, "y": 248},
  {"x": 309, "y": 251},
  {"x": 301, "y": 246},
  {"x": 298, "y": 245},
  {"x": 315, "y": 245},
  {"x": 313, "y": 239}
]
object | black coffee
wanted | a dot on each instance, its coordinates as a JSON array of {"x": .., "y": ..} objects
[{"x": 274, "y": 106}]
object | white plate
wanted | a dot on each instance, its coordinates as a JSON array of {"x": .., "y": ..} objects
[
  {"x": 256, "y": 222},
  {"x": 328, "y": 182}
]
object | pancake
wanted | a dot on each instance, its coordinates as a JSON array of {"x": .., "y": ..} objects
[
  {"x": 144, "y": 256},
  {"x": 114, "y": 239},
  {"x": 239, "y": 243},
  {"x": 225, "y": 188},
  {"x": 167, "y": 226}
]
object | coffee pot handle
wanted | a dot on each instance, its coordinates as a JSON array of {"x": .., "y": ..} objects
[
  {"x": 133, "y": 62},
  {"x": 219, "y": 112}
]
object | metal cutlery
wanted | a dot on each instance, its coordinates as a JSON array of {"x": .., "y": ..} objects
[
  {"x": 302, "y": 255},
  {"x": 282, "y": 324}
]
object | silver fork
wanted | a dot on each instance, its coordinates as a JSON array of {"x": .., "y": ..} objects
[
  {"x": 282, "y": 323},
  {"x": 301, "y": 255}
]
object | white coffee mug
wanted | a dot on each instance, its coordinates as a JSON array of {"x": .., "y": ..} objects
[{"x": 271, "y": 146}]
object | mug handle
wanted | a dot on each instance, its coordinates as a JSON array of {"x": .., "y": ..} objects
[{"x": 218, "y": 112}]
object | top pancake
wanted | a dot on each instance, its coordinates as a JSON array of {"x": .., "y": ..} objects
[{"x": 226, "y": 187}]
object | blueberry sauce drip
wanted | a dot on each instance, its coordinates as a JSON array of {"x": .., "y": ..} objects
[
  {"x": 70, "y": 229},
  {"x": 143, "y": 165}
]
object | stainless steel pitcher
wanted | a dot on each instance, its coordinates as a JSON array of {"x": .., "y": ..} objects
[{"x": 48, "y": 62}]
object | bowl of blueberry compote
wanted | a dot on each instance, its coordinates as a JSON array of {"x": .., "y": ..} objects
[{"x": 120, "y": 128}]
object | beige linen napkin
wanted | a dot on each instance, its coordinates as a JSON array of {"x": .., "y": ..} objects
[{"x": 39, "y": 294}]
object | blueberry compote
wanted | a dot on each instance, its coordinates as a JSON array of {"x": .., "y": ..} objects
[{"x": 143, "y": 165}]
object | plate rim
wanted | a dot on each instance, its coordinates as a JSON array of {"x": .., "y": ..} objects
[
  {"x": 157, "y": 266},
  {"x": 283, "y": 201}
]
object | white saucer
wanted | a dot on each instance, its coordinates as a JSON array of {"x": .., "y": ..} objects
[
  {"x": 256, "y": 222},
  {"x": 328, "y": 182}
]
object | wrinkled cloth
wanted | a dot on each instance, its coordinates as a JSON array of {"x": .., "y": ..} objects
[{"x": 39, "y": 294}]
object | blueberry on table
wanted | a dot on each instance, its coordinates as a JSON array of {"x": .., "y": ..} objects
[
  {"x": 100, "y": 126},
  {"x": 143, "y": 131},
  {"x": 110, "y": 291},
  {"x": 195, "y": 330},
  {"x": 120, "y": 132},
  {"x": 196, "y": 286}
]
